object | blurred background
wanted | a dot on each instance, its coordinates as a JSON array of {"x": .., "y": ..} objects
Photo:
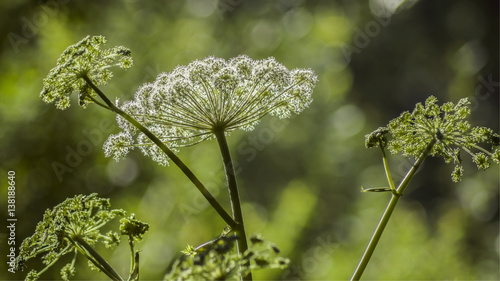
[{"x": 300, "y": 178}]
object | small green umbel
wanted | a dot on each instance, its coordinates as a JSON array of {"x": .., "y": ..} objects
[
  {"x": 72, "y": 227},
  {"x": 429, "y": 130},
  {"x": 82, "y": 60},
  {"x": 411, "y": 132}
]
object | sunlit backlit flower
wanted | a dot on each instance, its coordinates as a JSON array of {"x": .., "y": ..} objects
[{"x": 194, "y": 102}]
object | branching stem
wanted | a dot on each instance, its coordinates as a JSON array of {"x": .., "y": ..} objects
[
  {"x": 95, "y": 258},
  {"x": 177, "y": 161},
  {"x": 389, "y": 209},
  {"x": 386, "y": 168}
]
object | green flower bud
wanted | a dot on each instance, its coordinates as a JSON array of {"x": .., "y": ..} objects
[{"x": 83, "y": 59}]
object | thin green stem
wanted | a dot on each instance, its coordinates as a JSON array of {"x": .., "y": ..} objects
[
  {"x": 388, "y": 212},
  {"x": 177, "y": 161},
  {"x": 95, "y": 258},
  {"x": 132, "y": 254},
  {"x": 134, "y": 274},
  {"x": 63, "y": 252},
  {"x": 233, "y": 195},
  {"x": 99, "y": 103},
  {"x": 386, "y": 168}
]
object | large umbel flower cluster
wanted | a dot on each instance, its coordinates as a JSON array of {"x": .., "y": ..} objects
[
  {"x": 194, "y": 102},
  {"x": 447, "y": 124}
]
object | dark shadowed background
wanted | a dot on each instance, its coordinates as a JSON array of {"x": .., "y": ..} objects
[{"x": 300, "y": 178}]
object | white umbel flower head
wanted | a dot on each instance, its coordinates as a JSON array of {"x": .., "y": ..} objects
[{"x": 191, "y": 103}]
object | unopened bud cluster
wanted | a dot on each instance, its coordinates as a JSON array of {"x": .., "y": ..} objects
[{"x": 83, "y": 59}]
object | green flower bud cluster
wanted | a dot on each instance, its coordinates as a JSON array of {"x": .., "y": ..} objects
[
  {"x": 189, "y": 104},
  {"x": 133, "y": 228},
  {"x": 71, "y": 227},
  {"x": 217, "y": 260},
  {"x": 412, "y": 132},
  {"x": 83, "y": 59}
]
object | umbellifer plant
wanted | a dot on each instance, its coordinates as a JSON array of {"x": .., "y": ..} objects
[
  {"x": 206, "y": 99},
  {"x": 430, "y": 130}
]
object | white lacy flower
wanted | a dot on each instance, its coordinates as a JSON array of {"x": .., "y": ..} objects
[
  {"x": 118, "y": 145},
  {"x": 191, "y": 103}
]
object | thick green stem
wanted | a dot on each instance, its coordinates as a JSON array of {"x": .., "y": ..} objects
[
  {"x": 177, "y": 161},
  {"x": 388, "y": 212},
  {"x": 233, "y": 195},
  {"x": 95, "y": 258}
]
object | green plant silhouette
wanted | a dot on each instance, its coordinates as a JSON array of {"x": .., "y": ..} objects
[
  {"x": 209, "y": 99},
  {"x": 206, "y": 99}
]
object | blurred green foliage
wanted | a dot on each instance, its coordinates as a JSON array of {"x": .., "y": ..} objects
[{"x": 300, "y": 179}]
